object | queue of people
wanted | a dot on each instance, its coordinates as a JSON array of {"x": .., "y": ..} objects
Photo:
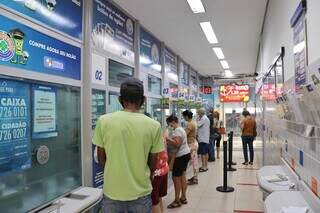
[{"x": 137, "y": 156}]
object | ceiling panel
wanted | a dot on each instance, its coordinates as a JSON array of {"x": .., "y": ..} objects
[{"x": 237, "y": 24}]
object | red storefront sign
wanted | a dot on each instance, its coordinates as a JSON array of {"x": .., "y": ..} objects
[{"x": 234, "y": 93}]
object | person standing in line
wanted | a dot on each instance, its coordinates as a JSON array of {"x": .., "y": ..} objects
[
  {"x": 191, "y": 131},
  {"x": 249, "y": 132},
  {"x": 203, "y": 138},
  {"x": 179, "y": 140},
  {"x": 217, "y": 124},
  {"x": 160, "y": 179},
  {"x": 128, "y": 152},
  {"x": 211, "y": 137}
]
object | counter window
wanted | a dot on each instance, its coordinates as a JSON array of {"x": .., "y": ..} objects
[
  {"x": 118, "y": 73},
  {"x": 35, "y": 117}
]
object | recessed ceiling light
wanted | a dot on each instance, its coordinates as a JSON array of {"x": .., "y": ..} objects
[
  {"x": 228, "y": 73},
  {"x": 224, "y": 64},
  {"x": 208, "y": 31},
  {"x": 218, "y": 52},
  {"x": 196, "y": 6}
]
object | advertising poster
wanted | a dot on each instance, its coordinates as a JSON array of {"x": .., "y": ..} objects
[
  {"x": 150, "y": 51},
  {"x": 184, "y": 73},
  {"x": 193, "y": 79},
  {"x": 15, "y": 147},
  {"x": 174, "y": 90},
  {"x": 268, "y": 92},
  {"x": 64, "y": 16},
  {"x": 300, "y": 44},
  {"x": 113, "y": 31},
  {"x": 44, "y": 112},
  {"x": 171, "y": 69},
  {"x": 234, "y": 93},
  {"x": 98, "y": 109},
  {"x": 24, "y": 48}
]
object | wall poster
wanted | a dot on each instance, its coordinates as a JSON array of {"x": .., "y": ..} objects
[
  {"x": 113, "y": 30},
  {"x": 24, "y": 48},
  {"x": 150, "y": 51},
  {"x": 64, "y": 16},
  {"x": 98, "y": 109},
  {"x": 15, "y": 145},
  {"x": 44, "y": 112},
  {"x": 300, "y": 44}
]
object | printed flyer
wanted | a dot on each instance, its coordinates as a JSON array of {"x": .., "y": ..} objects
[{"x": 15, "y": 153}]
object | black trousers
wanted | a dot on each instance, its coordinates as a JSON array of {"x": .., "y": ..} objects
[{"x": 247, "y": 141}]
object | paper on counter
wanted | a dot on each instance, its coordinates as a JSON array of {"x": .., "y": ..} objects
[{"x": 293, "y": 209}]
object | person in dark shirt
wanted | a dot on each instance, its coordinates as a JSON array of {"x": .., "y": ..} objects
[{"x": 212, "y": 138}]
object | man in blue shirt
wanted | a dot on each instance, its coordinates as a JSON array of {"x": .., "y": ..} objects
[{"x": 203, "y": 124}]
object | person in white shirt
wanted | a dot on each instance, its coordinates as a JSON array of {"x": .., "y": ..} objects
[
  {"x": 203, "y": 138},
  {"x": 182, "y": 158}
]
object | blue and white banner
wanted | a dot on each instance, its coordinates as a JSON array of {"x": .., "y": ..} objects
[
  {"x": 25, "y": 48},
  {"x": 150, "y": 51},
  {"x": 171, "y": 65},
  {"x": 64, "y": 16},
  {"x": 15, "y": 154},
  {"x": 44, "y": 112},
  {"x": 300, "y": 44},
  {"x": 184, "y": 74},
  {"x": 98, "y": 109},
  {"x": 113, "y": 30}
]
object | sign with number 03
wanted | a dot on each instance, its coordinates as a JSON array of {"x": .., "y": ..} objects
[{"x": 98, "y": 69}]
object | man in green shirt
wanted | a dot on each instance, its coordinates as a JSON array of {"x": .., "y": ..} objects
[{"x": 128, "y": 143}]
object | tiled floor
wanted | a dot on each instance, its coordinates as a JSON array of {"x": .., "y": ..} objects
[{"x": 203, "y": 198}]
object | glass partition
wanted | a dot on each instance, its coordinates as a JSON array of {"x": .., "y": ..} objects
[
  {"x": 155, "y": 107},
  {"x": 32, "y": 169},
  {"x": 118, "y": 73},
  {"x": 154, "y": 85},
  {"x": 114, "y": 104}
]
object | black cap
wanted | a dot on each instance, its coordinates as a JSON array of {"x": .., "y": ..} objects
[{"x": 132, "y": 86}]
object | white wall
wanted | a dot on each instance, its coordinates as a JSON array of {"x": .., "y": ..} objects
[{"x": 277, "y": 33}]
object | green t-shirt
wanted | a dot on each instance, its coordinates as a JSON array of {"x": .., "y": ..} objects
[{"x": 128, "y": 139}]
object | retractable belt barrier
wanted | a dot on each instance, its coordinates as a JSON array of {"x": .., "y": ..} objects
[
  {"x": 225, "y": 187},
  {"x": 230, "y": 163}
]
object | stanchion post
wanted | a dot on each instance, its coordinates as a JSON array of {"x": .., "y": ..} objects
[
  {"x": 230, "y": 140},
  {"x": 225, "y": 187}
]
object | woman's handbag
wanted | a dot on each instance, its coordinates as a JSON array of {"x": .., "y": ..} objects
[{"x": 222, "y": 131}]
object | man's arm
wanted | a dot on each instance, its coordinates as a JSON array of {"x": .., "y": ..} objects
[
  {"x": 152, "y": 163},
  {"x": 156, "y": 148},
  {"x": 102, "y": 157}
]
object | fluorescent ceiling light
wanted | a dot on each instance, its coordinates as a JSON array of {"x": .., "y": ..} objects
[
  {"x": 224, "y": 64},
  {"x": 218, "y": 52},
  {"x": 208, "y": 31},
  {"x": 228, "y": 73},
  {"x": 196, "y": 6}
]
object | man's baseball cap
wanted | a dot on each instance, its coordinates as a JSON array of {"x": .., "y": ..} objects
[{"x": 132, "y": 87}]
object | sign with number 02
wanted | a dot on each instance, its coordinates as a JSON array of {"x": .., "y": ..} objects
[{"x": 98, "y": 69}]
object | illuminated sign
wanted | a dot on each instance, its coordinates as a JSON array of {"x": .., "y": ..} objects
[
  {"x": 206, "y": 90},
  {"x": 234, "y": 93}
]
